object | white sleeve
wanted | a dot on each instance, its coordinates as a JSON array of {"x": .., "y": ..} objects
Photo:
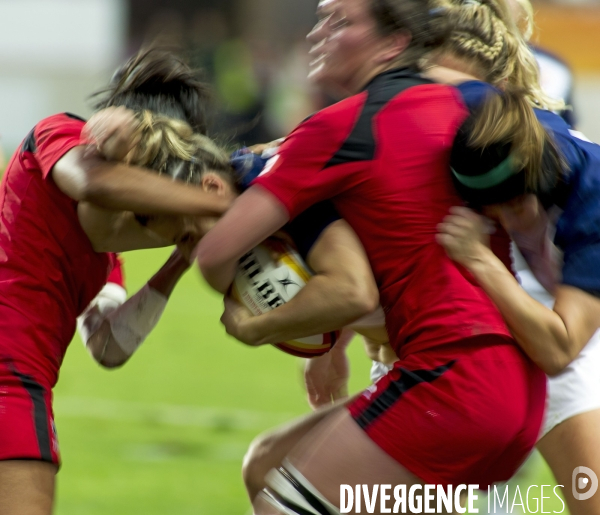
[{"x": 108, "y": 300}]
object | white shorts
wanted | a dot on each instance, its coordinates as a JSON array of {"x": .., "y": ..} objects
[{"x": 576, "y": 389}]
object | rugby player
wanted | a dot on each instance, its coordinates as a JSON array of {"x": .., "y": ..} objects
[
  {"x": 390, "y": 185},
  {"x": 553, "y": 335},
  {"x": 62, "y": 215}
]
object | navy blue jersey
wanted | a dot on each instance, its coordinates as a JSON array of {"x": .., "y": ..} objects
[
  {"x": 578, "y": 228},
  {"x": 306, "y": 228}
]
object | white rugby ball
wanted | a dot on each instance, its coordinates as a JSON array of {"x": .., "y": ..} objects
[{"x": 269, "y": 276}]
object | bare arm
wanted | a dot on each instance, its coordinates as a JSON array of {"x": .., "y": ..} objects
[
  {"x": 120, "y": 187},
  {"x": 112, "y": 133},
  {"x": 253, "y": 217},
  {"x": 116, "y": 231},
  {"x": 97, "y": 323},
  {"x": 342, "y": 291},
  {"x": 551, "y": 338}
]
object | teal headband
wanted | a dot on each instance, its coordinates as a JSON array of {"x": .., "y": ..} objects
[{"x": 494, "y": 177}]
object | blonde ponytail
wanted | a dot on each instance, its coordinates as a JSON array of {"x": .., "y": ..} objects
[{"x": 171, "y": 147}]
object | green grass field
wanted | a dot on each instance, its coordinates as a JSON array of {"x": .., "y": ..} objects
[{"x": 166, "y": 433}]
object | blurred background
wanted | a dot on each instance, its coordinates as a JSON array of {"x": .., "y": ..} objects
[
  {"x": 167, "y": 433},
  {"x": 55, "y": 53}
]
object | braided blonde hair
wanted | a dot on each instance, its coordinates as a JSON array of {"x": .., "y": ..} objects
[
  {"x": 485, "y": 33},
  {"x": 171, "y": 147}
]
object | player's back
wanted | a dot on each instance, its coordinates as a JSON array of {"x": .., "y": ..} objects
[
  {"x": 396, "y": 204},
  {"x": 382, "y": 157}
]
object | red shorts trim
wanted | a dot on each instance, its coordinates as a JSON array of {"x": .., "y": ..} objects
[
  {"x": 27, "y": 430},
  {"x": 458, "y": 414}
]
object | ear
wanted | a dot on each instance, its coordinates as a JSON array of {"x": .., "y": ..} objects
[
  {"x": 212, "y": 182},
  {"x": 393, "y": 46}
]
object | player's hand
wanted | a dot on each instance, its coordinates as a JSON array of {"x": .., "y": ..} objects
[
  {"x": 235, "y": 318},
  {"x": 113, "y": 132},
  {"x": 464, "y": 235},
  {"x": 326, "y": 377}
]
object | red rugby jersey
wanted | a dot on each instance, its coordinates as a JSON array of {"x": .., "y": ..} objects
[
  {"x": 49, "y": 271},
  {"x": 382, "y": 157}
]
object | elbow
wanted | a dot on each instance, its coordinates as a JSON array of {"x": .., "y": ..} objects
[
  {"x": 361, "y": 300},
  {"x": 104, "y": 361},
  {"x": 556, "y": 359},
  {"x": 210, "y": 266},
  {"x": 203, "y": 257},
  {"x": 556, "y": 364},
  {"x": 93, "y": 186},
  {"x": 104, "y": 350},
  {"x": 204, "y": 261},
  {"x": 110, "y": 365}
]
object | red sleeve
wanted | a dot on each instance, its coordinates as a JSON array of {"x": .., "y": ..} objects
[
  {"x": 299, "y": 175},
  {"x": 117, "y": 274},
  {"x": 54, "y": 137}
]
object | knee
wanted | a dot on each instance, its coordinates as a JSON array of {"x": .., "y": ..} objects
[{"x": 256, "y": 465}]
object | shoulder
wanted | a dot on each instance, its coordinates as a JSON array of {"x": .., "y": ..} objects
[
  {"x": 473, "y": 93},
  {"x": 60, "y": 120},
  {"x": 336, "y": 115},
  {"x": 66, "y": 124},
  {"x": 570, "y": 146},
  {"x": 51, "y": 139},
  {"x": 326, "y": 130}
]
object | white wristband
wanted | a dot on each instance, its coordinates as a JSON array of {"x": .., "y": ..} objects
[
  {"x": 133, "y": 321},
  {"x": 109, "y": 299}
]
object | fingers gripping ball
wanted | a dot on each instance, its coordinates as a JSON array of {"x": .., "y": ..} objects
[{"x": 269, "y": 276}]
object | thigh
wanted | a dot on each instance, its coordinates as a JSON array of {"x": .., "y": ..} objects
[
  {"x": 268, "y": 450},
  {"x": 467, "y": 420},
  {"x": 571, "y": 444},
  {"x": 26, "y": 487},
  {"x": 338, "y": 452}
]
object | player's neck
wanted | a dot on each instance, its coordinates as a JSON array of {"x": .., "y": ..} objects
[{"x": 450, "y": 69}]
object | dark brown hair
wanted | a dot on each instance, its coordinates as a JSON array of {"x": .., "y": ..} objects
[
  {"x": 157, "y": 80},
  {"x": 426, "y": 26}
]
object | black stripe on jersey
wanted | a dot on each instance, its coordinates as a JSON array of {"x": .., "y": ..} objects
[
  {"x": 307, "y": 118},
  {"x": 29, "y": 145},
  {"x": 407, "y": 380},
  {"x": 75, "y": 117},
  {"x": 360, "y": 144},
  {"x": 40, "y": 414}
]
